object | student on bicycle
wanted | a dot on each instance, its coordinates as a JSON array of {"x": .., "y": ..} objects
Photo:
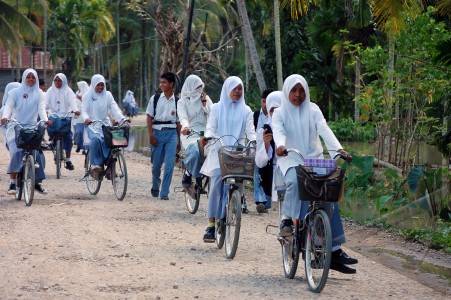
[
  {"x": 60, "y": 102},
  {"x": 98, "y": 105},
  {"x": 193, "y": 109},
  {"x": 9, "y": 87},
  {"x": 25, "y": 104},
  {"x": 265, "y": 157},
  {"x": 79, "y": 126},
  {"x": 299, "y": 124},
  {"x": 231, "y": 118}
]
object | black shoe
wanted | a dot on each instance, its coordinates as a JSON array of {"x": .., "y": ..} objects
[
  {"x": 38, "y": 187},
  {"x": 69, "y": 165},
  {"x": 340, "y": 257},
  {"x": 155, "y": 193},
  {"x": 164, "y": 198},
  {"x": 78, "y": 149},
  {"x": 186, "y": 181},
  {"x": 84, "y": 152},
  {"x": 286, "y": 228},
  {"x": 261, "y": 208},
  {"x": 342, "y": 268},
  {"x": 12, "y": 189},
  {"x": 209, "y": 236}
]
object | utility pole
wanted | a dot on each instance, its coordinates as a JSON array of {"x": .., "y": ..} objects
[
  {"x": 45, "y": 46},
  {"x": 187, "y": 41},
  {"x": 118, "y": 40}
]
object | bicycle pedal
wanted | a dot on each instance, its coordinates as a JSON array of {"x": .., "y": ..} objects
[{"x": 179, "y": 189}]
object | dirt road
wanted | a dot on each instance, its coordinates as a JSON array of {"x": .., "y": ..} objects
[{"x": 74, "y": 246}]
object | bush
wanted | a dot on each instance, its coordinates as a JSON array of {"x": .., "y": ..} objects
[{"x": 348, "y": 130}]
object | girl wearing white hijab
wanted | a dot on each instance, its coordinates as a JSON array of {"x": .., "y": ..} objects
[
  {"x": 99, "y": 105},
  {"x": 24, "y": 104},
  {"x": 61, "y": 101},
  {"x": 79, "y": 125},
  {"x": 298, "y": 124},
  {"x": 131, "y": 109},
  {"x": 265, "y": 156},
  {"x": 232, "y": 118},
  {"x": 9, "y": 87},
  {"x": 192, "y": 110}
]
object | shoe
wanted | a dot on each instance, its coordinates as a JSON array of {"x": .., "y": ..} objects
[
  {"x": 342, "y": 268},
  {"x": 164, "y": 198},
  {"x": 154, "y": 193},
  {"x": 84, "y": 152},
  {"x": 69, "y": 165},
  {"x": 38, "y": 187},
  {"x": 209, "y": 236},
  {"x": 95, "y": 171},
  {"x": 261, "y": 208},
  {"x": 77, "y": 150},
  {"x": 340, "y": 257},
  {"x": 186, "y": 181},
  {"x": 12, "y": 189},
  {"x": 286, "y": 228}
]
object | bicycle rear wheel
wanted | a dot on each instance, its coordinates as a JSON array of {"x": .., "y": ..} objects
[
  {"x": 318, "y": 250},
  {"x": 92, "y": 184},
  {"x": 119, "y": 176},
  {"x": 28, "y": 180},
  {"x": 58, "y": 157},
  {"x": 233, "y": 223},
  {"x": 192, "y": 200},
  {"x": 290, "y": 252}
]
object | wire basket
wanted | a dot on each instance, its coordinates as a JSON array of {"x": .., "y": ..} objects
[{"x": 237, "y": 161}]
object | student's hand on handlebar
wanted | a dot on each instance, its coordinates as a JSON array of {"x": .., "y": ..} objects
[
  {"x": 77, "y": 113},
  {"x": 345, "y": 155},
  {"x": 88, "y": 121},
  {"x": 4, "y": 121},
  {"x": 203, "y": 141},
  {"x": 49, "y": 122},
  {"x": 185, "y": 131},
  {"x": 281, "y": 151}
]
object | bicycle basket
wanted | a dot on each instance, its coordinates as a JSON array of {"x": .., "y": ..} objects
[
  {"x": 29, "y": 138},
  {"x": 237, "y": 161},
  {"x": 314, "y": 187},
  {"x": 59, "y": 125},
  {"x": 116, "y": 136}
]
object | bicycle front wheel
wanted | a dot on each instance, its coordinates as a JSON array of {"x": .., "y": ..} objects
[
  {"x": 19, "y": 185},
  {"x": 92, "y": 184},
  {"x": 28, "y": 180},
  {"x": 318, "y": 250},
  {"x": 58, "y": 157},
  {"x": 233, "y": 223},
  {"x": 119, "y": 176}
]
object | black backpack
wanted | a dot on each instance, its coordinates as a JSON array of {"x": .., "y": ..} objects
[{"x": 256, "y": 116}]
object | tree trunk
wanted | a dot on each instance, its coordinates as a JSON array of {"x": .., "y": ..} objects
[
  {"x": 391, "y": 70},
  {"x": 155, "y": 62},
  {"x": 249, "y": 39},
  {"x": 357, "y": 90},
  {"x": 278, "y": 45}
]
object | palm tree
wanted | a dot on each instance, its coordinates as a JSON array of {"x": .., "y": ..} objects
[{"x": 15, "y": 27}]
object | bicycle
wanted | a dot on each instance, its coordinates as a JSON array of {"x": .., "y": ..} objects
[
  {"x": 116, "y": 170},
  {"x": 202, "y": 185},
  {"x": 60, "y": 127},
  {"x": 237, "y": 166},
  {"x": 28, "y": 138},
  {"x": 312, "y": 236}
]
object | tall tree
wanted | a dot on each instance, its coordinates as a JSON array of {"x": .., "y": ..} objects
[{"x": 250, "y": 44}]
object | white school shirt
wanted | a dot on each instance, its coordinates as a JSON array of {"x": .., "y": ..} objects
[
  {"x": 61, "y": 101},
  {"x": 100, "y": 108},
  {"x": 192, "y": 117},
  {"x": 25, "y": 109},
  {"x": 262, "y": 119},
  {"x": 211, "y": 164},
  {"x": 166, "y": 111}
]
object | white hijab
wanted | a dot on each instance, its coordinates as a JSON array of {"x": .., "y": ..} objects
[
  {"x": 91, "y": 93},
  {"x": 231, "y": 114},
  {"x": 83, "y": 87},
  {"x": 9, "y": 87},
  {"x": 296, "y": 118},
  {"x": 273, "y": 100},
  {"x": 129, "y": 98},
  {"x": 192, "y": 89},
  {"x": 64, "y": 93}
]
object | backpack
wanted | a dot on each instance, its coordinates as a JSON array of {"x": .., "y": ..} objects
[{"x": 256, "y": 116}]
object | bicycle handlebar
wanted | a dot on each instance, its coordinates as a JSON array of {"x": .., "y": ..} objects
[{"x": 345, "y": 157}]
